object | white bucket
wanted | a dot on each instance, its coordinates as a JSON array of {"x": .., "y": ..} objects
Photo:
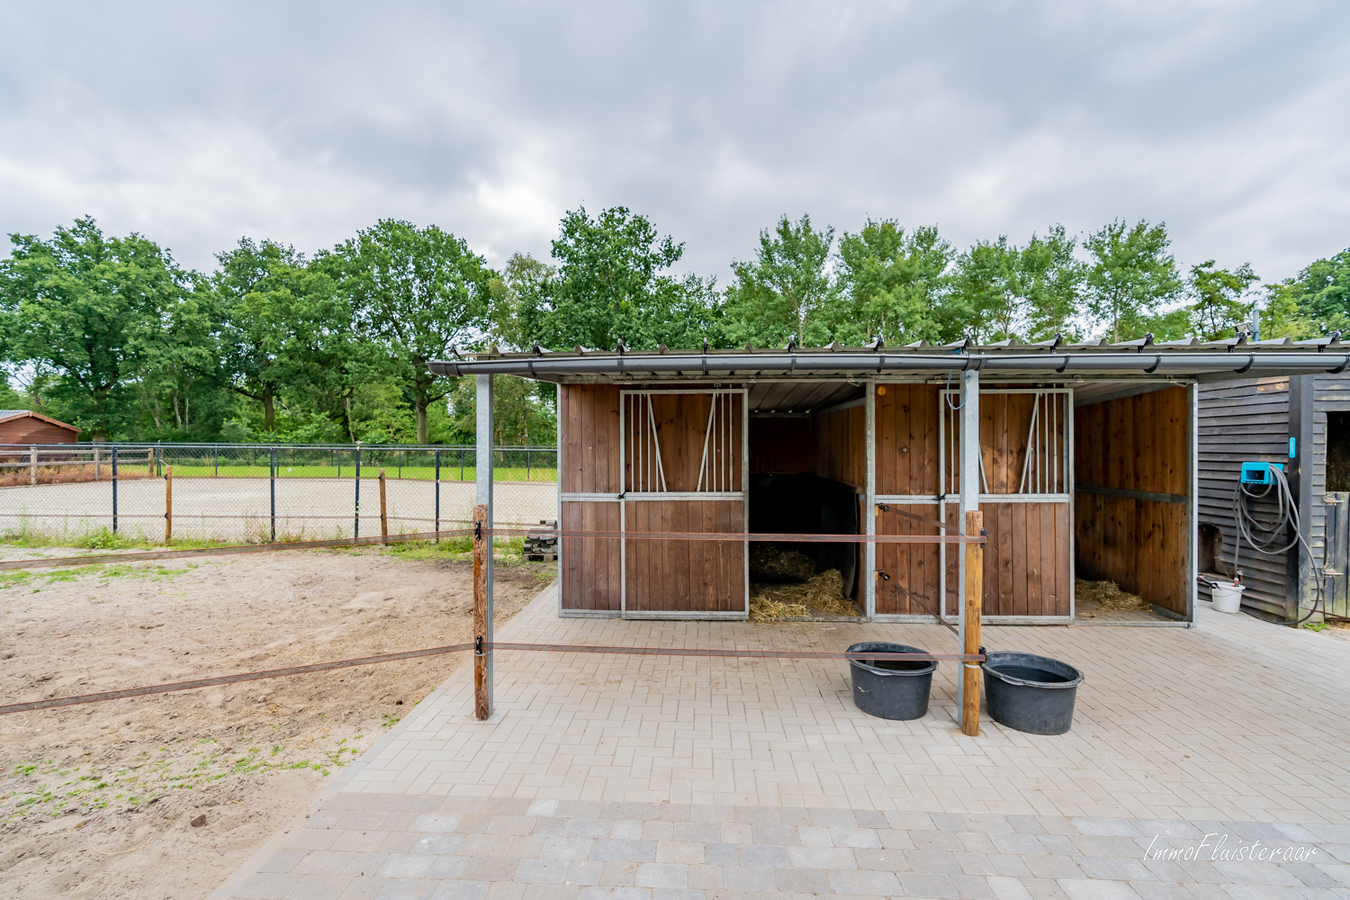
[{"x": 1227, "y": 597}]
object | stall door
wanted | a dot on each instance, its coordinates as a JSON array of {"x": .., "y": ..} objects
[
  {"x": 684, "y": 471},
  {"x": 1026, "y": 494}
]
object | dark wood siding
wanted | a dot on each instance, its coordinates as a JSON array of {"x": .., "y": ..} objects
[
  {"x": 1136, "y": 444},
  {"x": 1239, "y": 421}
]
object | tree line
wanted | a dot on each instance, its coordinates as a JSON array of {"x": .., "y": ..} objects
[{"x": 109, "y": 333}]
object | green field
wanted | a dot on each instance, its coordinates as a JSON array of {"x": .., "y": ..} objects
[{"x": 413, "y": 473}]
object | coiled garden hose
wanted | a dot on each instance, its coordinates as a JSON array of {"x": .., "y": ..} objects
[{"x": 1265, "y": 537}]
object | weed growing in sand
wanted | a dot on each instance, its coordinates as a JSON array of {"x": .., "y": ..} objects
[{"x": 113, "y": 570}]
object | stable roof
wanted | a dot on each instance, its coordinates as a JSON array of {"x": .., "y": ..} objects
[
  {"x": 8, "y": 414},
  {"x": 1193, "y": 359}
]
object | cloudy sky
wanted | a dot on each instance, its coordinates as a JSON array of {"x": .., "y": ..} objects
[{"x": 196, "y": 123}]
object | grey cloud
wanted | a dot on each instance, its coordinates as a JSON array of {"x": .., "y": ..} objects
[{"x": 303, "y": 122}]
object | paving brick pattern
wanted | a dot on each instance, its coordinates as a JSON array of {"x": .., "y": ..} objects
[{"x": 673, "y": 778}]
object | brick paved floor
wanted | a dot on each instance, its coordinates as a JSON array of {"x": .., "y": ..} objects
[{"x": 646, "y": 777}]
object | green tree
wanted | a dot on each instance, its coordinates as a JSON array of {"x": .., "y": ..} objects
[
  {"x": 275, "y": 313},
  {"x": 417, "y": 293},
  {"x": 90, "y": 308},
  {"x": 522, "y": 280},
  {"x": 1217, "y": 309},
  {"x": 182, "y": 394},
  {"x": 1129, "y": 276},
  {"x": 1050, "y": 281},
  {"x": 893, "y": 284},
  {"x": 984, "y": 301},
  {"x": 787, "y": 291},
  {"x": 612, "y": 282},
  {"x": 523, "y": 412},
  {"x": 1314, "y": 302}
]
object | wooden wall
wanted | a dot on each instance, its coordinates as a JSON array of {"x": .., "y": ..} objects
[
  {"x": 588, "y": 419},
  {"x": 840, "y": 446},
  {"x": 907, "y": 463},
  {"x": 662, "y": 575},
  {"x": 32, "y": 430},
  {"x": 672, "y": 576},
  {"x": 1027, "y": 561},
  {"x": 1134, "y": 445},
  {"x": 781, "y": 446}
]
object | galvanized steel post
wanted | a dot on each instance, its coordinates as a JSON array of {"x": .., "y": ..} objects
[
  {"x": 483, "y": 545},
  {"x": 970, "y": 493}
]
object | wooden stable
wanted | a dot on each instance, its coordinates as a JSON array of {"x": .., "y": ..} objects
[{"x": 1079, "y": 458}]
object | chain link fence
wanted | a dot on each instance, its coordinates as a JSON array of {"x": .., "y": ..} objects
[{"x": 262, "y": 492}]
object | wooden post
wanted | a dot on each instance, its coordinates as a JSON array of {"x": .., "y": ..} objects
[
  {"x": 32, "y": 463},
  {"x": 482, "y": 546},
  {"x": 384, "y": 510},
  {"x": 970, "y": 671},
  {"x": 168, "y": 504},
  {"x": 98, "y": 471},
  {"x": 150, "y": 463}
]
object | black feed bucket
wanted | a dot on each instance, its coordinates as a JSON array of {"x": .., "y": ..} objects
[
  {"x": 891, "y": 688},
  {"x": 1030, "y": 693}
]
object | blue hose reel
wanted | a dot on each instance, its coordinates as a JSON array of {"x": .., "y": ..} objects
[{"x": 1259, "y": 473}]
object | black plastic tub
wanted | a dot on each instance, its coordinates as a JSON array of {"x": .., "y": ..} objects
[
  {"x": 891, "y": 688},
  {"x": 1030, "y": 693}
]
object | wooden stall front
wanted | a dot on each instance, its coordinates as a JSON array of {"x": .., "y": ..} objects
[
  {"x": 1024, "y": 495},
  {"x": 1132, "y": 495},
  {"x": 642, "y": 462},
  {"x": 1100, "y": 487}
]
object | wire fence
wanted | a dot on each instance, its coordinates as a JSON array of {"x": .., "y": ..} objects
[{"x": 261, "y": 492}]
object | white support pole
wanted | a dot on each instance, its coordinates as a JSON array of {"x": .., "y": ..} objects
[
  {"x": 483, "y": 479},
  {"x": 970, "y": 495},
  {"x": 869, "y": 569}
]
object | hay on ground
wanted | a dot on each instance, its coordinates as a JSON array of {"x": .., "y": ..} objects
[
  {"x": 768, "y": 562},
  {"x": 823, "y": 593},
  {"x": 1108, "y": 595}
]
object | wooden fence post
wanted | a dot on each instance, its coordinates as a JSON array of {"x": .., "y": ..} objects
[
  {"x": 168, "y": 504},
  {"x": 482, "y": 546},
  {"x": 32, "y": 465},
  {"x": 98, "y": 469},
  {"x": 384, "y": 509},
  {"x": 970, "y": 671}
]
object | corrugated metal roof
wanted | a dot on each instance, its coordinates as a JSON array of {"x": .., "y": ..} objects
[{"x": 1143, "y": 357}]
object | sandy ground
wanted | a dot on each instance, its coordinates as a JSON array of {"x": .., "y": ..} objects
[
  {"x": 240, "y": 508},
  {"x": 96, "y": 800}
]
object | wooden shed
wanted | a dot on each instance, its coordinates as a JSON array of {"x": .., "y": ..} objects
[
  {"x": 1303, "y": 423},
  {"x": 22, "y": 426},
  {"x": 1080, "y": 456}
]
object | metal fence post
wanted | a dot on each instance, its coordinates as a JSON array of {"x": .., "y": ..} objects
[
  {"x": 461, "y": 463},
  {"x": 438, "y": 496},
  {"x": 215, "y": 461},
  {"x": 356, "y": 527},
  {"x": 272, "y": 483},
  {"x": 527, "y": 463},
  {"x": 114, "y": 483}
]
